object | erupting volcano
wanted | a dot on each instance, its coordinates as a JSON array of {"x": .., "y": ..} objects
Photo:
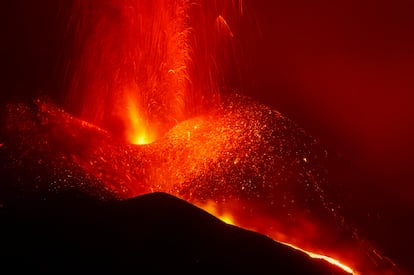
[
  {"x": 152, "y": 104},
  {"x": 137, "y": 68}
]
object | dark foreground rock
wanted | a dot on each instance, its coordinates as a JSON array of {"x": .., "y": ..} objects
[{"x": 146, "y": 234}]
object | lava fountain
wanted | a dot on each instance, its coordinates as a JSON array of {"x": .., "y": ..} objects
[
  {"x": 139, "y": 67},
  {"x": 157, "y": 73}
]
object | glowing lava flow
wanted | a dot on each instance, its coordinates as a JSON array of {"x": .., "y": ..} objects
[
  {"x": 211, "y": 208},
  {"x": 323, "y": 257},
  {"x": 228, "y": 218}
]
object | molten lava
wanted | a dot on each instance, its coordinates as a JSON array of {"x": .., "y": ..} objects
[
  {"x": 211, "y": 208},
  {"x": 137, "y": 129},
  {"x": 152, "y": 72}
]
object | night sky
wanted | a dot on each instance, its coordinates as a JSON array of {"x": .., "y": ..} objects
[{"x": 345, "y": 71}]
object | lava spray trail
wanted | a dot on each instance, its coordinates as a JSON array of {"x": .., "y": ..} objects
[{"x": 137, "y": 67}]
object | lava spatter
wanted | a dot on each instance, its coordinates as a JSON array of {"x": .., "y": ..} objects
[
  {"x": 47, "y": 146},
  {"x": 242, "y": 151}
]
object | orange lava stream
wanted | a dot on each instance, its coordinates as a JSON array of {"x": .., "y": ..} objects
[
  {"x": 229, "y": 219},
  {"x": 323, "y": 257}
]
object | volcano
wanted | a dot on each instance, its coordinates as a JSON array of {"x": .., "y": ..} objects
[
  {"x": 139, "y": 97},
  {"x": 243, "y": 159}
]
